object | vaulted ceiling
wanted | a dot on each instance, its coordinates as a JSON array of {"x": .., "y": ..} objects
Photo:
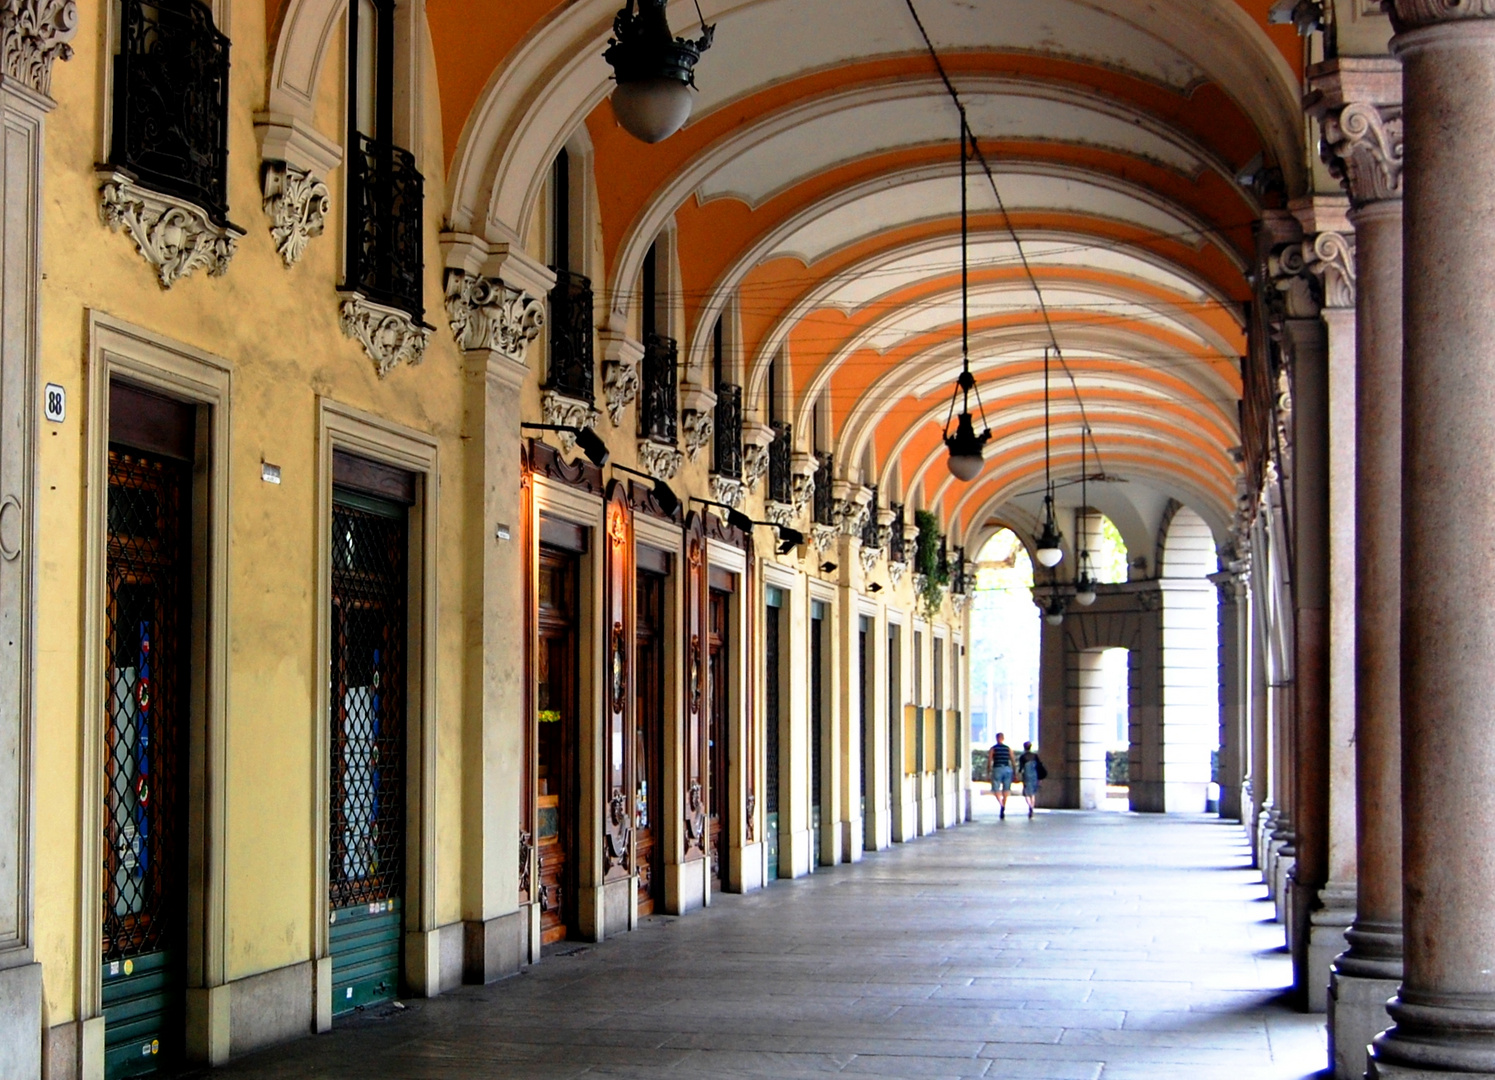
[{"x": 816, "y": 189}]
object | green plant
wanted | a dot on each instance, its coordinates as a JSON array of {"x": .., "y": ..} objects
[{"x": 927, "y": 562}]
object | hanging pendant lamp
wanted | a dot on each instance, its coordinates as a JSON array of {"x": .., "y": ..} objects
[
  {"x": 1049, "y": 552},
  {"x": 1085, "y": 582},
  {"x": 655, "y": 70},
  {"x": 964, "y": 445}
]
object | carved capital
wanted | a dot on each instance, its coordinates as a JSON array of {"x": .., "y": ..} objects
[
  {"x": 298, "y": 204},
  {"x": 557, "y": 408},
  {"x": 851, "y": 512},
  {"x": 726, "y": 489},
  {"x": 659, "y": 460},
  {"x": 869, "y": 556},
  {"x": 173, "y": 235},
  {"x": 487, "y": 314},
  {"x": 1296, "y": 293},
  {"x": 697, "y": 427},
  {"x": 1410, "y": 14},
  {"x": 33, "y": 34},
  {"x": 1330, "y": 256},
  {"x": 896, "y": 571},
  {"x": 390, "y": 336}
]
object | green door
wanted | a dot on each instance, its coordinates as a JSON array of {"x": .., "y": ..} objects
[
  {"x": 367, "y": 848},
  {"x": 145, "y": 726}
]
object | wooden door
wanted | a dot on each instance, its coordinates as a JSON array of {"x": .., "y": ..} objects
[
  {"x": 719, "y": 728},
  {"x": 648, "y": 730},
  {"x": 557, "y": 731}
]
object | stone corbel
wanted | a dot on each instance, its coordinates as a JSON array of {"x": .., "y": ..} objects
[
  {"x": 803, "y": 468},
  {"x": 958, "y": 604},
  {"x": 822, "y": 536},
  {"x": 620, "y": 378},
  {"x": 175, "y": 236},
  {"x": 487, "y": 314},
  {"x": 780, "y": 513},
  {"x": 869, "y": 556},
  {"x": 896, "y": 570},
  {"x": 697, "y": 418},
  {"x": 756, "y": 439},
  {"x": 297, "y": 161},
  {"x": 566, "y": 411},
  {"x": 660, "y": 460},
  {"x": 729, "y": 490},
  {"x": 390, "y": 336},
  {"x": 34, "y": 34}
]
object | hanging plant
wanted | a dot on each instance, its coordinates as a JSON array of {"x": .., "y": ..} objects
[{"x": 933, "y": 573}]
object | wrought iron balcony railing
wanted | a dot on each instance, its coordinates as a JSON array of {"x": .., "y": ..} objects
[
  {"x": 869, "y": 526},
  {"x": 958, "y": 582},
  {"x": 659, "y": 416},
  {"x": 824, "y": 505},
  {"x": 385, "y": 195},
  {"x": 727, "y": 459},
  {"x": 897, "y": 545},
  {"x": 572, "y": 338},
  {"x": 171, "y": 102},
  {"x": 780, "y": 475}
]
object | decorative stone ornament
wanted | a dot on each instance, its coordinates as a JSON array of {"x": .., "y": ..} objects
[
  {"x": 726, "y": 489},
  {"x": 958, "y": 604},
  {"x": 298, "y": 204},
  {"x": 659, "y": 460},
  {"x": 174, "y": 236},
  {"x": 486, "y": 314},
  {"x": 1330, "y": 256},
  {"x": 620, "y": 388},
  {"x": 822, "y": 536},
  {"x": 34, "y": 33},
  {"x": 1407, "y": 14},
  {"x": 697, "y": 429},
  {"x": 852, "y": 512},
  {"x": 780, "y": 513},
  {"x": 896, "y": 570},
  {"x": 558, "y": 408},
  {"x": 756, "y": 439},
  {"x": 869, "y": 555},
  {"x": 390, "y": 336}
]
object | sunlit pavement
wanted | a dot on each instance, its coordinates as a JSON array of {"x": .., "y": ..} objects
[{"x": 1073, "y": 945}]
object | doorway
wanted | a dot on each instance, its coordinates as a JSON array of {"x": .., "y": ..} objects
[
  {"x": 648, "y": 757},
  {"x": 869, "y": 827},
  {"x": 772, "y": 721},
  {"x": 369, "y": 639},
  {"x": 818, "y": 613},
  {"x": 718, "y": 734},
  {"x": 558, "y": 727},
  {"x": 150, "y": 569}
]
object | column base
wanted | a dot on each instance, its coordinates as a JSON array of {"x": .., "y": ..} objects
[
  {"x": 21, "y": 1020},
  {"x": 1357, "y": 1014},
  {"x": 494, "y": 949},
  {"x": 1433, "y": 1037},
  {"x": 1326, "y": 940}
]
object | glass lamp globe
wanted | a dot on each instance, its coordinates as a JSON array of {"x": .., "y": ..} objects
[
  {"x": 1085, "y": 592},
  {"x": 1049, "y": 556},
  {"x": 651, "y": 110},
  {"x": 965, "y": 466}
]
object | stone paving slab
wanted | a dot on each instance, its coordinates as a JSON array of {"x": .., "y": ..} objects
[{"x": 1074, "y": 946}]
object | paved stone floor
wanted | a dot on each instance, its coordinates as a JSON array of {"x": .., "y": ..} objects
[{"x": 1071, "y": 946}]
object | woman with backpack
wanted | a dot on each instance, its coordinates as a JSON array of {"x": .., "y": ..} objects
[{"x": 1031, "y": 769}]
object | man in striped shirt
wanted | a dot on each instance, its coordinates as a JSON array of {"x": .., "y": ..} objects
[{"x": 999, "y": 757}]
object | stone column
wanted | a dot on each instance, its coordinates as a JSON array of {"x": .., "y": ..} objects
[
  {"x": 1329, "y": 251},
  {"x": 1234, "y": 665},
  {"x": 1444, "y": 1012},
  {"x": 1358, "y": 104}
]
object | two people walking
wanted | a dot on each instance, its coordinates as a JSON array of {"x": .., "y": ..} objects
[{"x": 1002, "y": 765}]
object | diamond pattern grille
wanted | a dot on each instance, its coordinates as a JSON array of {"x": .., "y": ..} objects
[
  {"x": 368, "y": 707},
  {"x": 145, "y": 704}
]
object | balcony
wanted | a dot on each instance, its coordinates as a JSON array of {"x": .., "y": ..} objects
[{"x": 385, "y": 194}]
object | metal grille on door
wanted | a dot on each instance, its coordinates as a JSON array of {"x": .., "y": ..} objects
[{"x": 366, "y": 875}]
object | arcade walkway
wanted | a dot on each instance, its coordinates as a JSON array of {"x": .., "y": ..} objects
[{"x": 1072, "y": 946}]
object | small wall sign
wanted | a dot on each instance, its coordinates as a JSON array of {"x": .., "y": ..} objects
[{"x": 54, "y": 403}]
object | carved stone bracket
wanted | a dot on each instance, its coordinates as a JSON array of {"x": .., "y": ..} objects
[
  {"x": 823, "y": 536},
  {"x": 390, "y": 336},
  {"x": 487, "y": 314},
  {"x": 659, "y": 460},
  {"x": 620, "y": 387},
  {"x": 173, "y": 235},
  {"x": 868, "y": 555},
  {"x": 958, "y": 604},
  {"x": 697, "y": 428},
  {"x": 781, "y": 513},
  {"x": 919, "y": 581},
  {"x": 896, "y": 570},
  {"x": 33, "y": 34},
  {"x": 756, "y": 439},
  {"x": 802, "y": 481},
  {"x": 298, "y": 203},
  {"x": 726, "y": 489},
  {"x": 557, "y": 408},
  {"x": 1331, "y": 257}
]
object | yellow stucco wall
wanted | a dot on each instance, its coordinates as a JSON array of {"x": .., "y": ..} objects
[{"x": 278, "y": 329}]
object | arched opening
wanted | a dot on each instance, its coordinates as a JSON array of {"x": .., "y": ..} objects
[
  {"x": 1190, "y": 638},
  {"x": 1005, "y": 636}
]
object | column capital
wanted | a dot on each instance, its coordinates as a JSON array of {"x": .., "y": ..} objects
[
  {"x": 1358, "y": 104},
  {"x": 34, "y": 34},
  {"x": 1410, "y": 14}
]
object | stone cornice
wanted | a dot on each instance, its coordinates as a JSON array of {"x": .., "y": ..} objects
[
  {"x": 34, "y": 34},
  {"x": 1358, "y": 104}
]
